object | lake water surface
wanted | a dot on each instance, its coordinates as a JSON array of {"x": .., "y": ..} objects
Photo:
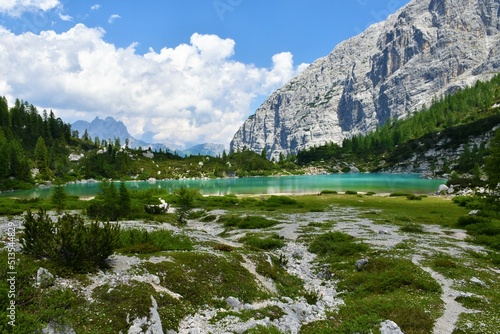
[{"x": 379, "y": 183}]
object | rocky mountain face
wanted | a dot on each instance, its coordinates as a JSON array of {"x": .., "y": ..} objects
[
  {"x": 425, "y": 50},
  {"x": 106, "y": 129}
]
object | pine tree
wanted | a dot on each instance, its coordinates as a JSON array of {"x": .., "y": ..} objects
[
  {"x": 125, "y": 202},
  {"x": 42, "y": 157},
  {"x": 59, "y": 198}
]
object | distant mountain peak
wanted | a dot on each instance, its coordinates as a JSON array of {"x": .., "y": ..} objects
[{"x": 110, "y": 129}]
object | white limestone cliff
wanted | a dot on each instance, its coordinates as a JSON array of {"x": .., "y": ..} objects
[{"x": 425, "y": 50}]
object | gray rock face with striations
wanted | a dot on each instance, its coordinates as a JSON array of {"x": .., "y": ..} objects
[{"x": 425, "y": 50}]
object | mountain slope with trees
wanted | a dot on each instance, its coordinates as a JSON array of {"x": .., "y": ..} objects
[{"x": 460, "y": 124}]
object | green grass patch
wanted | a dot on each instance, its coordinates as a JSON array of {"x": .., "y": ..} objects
[
  {"x": 203, "y": 278},
  {"x": 272, "y": 312},
  {"x": 257, "y": 242},
  {"x": 388, "y": 288},
  {"x": 141, "y": 241},
  {"x": 247, "y": 222},
  {"x": 336, "y": 243},
  {"x": 412, "y": 228},
  {"x": 286, "y": 284}
]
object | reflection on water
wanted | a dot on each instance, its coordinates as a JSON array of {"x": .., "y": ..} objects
[{"x": 380, "y": 183}]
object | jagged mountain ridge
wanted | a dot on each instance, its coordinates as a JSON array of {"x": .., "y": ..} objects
[
  {"x": 110, "y": 129},
  {"x": 426, "y": 49}
]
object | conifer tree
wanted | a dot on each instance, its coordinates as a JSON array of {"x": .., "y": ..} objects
[
  {"x": 125, "y": 202},
  {"x": 42, "y": 157},
  {"x": 59, "y": 198}
]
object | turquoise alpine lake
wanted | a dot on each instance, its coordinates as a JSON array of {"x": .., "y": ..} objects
[{"x": 303, "y": 184}]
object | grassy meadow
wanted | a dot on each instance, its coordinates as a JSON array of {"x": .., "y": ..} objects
[{"x": 195, "y": 270}]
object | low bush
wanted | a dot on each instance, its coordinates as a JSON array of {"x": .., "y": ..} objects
[
  {"x": 469, "y": 202},
  {"x": 328, "y": 192},
  {"x": 69, "y": 241},
  {"x": 400, "y": 194},
  {"x": 351, "y": 192},
  {"x": 247, "y": 222},
  {"x": 264, "y": 243},
  {"x": 223, "y": 248},
  {"x": 336, "y": 243},
  {"x": 413, "y": 197},
  {"x": 412, "y": 228},
  {"x": 470, "y": 220}
]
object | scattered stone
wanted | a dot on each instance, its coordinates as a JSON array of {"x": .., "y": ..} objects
[
  {"x": 477, "y": 281},
  {"x": 298, "y": 254},
  {"x": 54, "y": 328},
  {"x": 44, "y": 278},
  {"x": 154, "y": 279},
  {"x": 151, "y": 325},
  {"x": 443, "y": 189},
  {"x": 361, "y": 264},
  {"x": 383, "y": 232},
  {"x": 390, "y": 327},
  {"x": 473, "y": 212},
  {"x": 233, "y": 302}
]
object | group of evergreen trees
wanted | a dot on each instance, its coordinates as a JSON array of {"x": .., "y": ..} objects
[{"x": 25, "y": 136}]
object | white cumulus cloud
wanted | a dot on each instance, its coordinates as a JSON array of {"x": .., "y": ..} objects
[
  {"x": 192, "y": 93},
  {"x": 17, "y": 7}
]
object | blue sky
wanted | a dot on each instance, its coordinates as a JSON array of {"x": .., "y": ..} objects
[{"x": 189, "y": 71}]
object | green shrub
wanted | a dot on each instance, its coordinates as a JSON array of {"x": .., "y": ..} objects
[
  {"x": 351, "y": 192},
  {"x": 462, "y": 200},
  {"x": 208, "y": 218},
  {"x": 328, "y": 192},
  {"x": 412, "y": 228},
  {"x": 136, "y": 240},
  {"x": 223, "y": 248},
  {"x": 69, "y": 241},
  {"x": 336, "y": 243},
  {"x": 185, "y": 202},
  {"x": 470, "y": 220},
  {"x": 400, "y": 194},
  {"x": 412, "y": 197},
  {"x": 267, "y": 243}
]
